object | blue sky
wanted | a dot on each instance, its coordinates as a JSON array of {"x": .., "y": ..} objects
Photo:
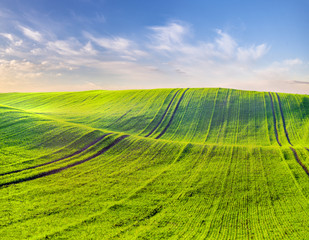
[{"x": 119, "y": 44}]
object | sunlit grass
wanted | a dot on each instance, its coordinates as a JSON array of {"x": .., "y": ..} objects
[{"x": 217, "y": 172}]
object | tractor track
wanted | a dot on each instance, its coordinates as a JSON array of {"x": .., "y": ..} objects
[
  {"x": 286, "y": 133},
  {"x": 168, "y": 107},
  {"x": 54, "y": 171},
  {"x": 172, "y": 117},
  {"x": 283, "y": 120},
  {"x": 274, "y": 117},
  {"x": 57, "y": 160},
  {"x": 298, "y": 160}
]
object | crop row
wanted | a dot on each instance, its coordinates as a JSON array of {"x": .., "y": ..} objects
[
  {"x": 199, "y": 163},
  {"x": 212, "y": 116},
  {"x": 156, "y": 189}
]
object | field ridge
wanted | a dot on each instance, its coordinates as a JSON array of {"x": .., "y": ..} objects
[{"x": 191, "y": 163}]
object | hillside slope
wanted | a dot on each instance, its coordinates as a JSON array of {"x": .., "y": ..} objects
[
  {"x": 154, "y": 164},
  {"x": 225, "y": 116}
]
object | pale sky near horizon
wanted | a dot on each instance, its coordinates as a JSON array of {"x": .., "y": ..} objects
[{"x": 76, "y": 45}]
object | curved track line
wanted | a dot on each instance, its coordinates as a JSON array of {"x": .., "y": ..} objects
[
  {"x": 168, "y": 107},
  {"x": 169, "y": 123},
  {"x": 298, "y": 160},
  {"x": 274, "y": 116},
  {"x": 148, "y": 182},
  {"x": 283, "y": 120},
  {"x": 54, "y": 171},
  {"x": 57, "y": 160}
]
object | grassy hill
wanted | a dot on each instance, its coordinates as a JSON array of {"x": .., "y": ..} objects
[{"x": 154, "y": 164}]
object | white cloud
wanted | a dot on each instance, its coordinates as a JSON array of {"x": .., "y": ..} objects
[
  {"x": 252, "y": 53},
  {"x": 293, "y": 62},
  {"x": 171, "y": 57},
  {"x": 62, "y": 47},
  {"x": 88, "y": 49},
  {"x": 223, "y": 62},
  {"x": 9, "y": 51},
  {"x": 16, "y": 74},
  {"x": 117, "y": 44},
  {"x": 18, "y": 43},
  {"x": 172, "y": 39},
  {"x": 225, "y": 43},
  {"x": 168, "y": 37},
  {"x": 70, "y": 48},
  {"x": 34, "y": 35},
  {"x": 13, "y": 39},
  {"x": 8, "y": 36},
  {"x": 118, "y": 47},
  {"x": 18, "y": 66},
  {"x": 37, "y": 51},
  {"x": 138, "y": 53}
]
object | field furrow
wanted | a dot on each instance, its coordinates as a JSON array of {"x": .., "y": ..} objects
[
  {"x": 299, "y": 161},
  {"x": 54, "y": 171},
  {"x": 154, "y": 164},
  {"x": 173, "y": 115},
  {"x": 283, "y": 120},
  {"x": 165, "y": 112},
  {"x": 59, "y": 159},
  {"x": 274, "y": 119}
]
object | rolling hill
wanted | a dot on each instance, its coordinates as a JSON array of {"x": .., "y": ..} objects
[{"x": 154, "y": 164}]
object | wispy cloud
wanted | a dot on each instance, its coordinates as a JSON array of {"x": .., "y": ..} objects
[
  {"x": 293, "y": 62},
  {"x": 117, "y": 44},
  {"x": 166, "y": 56},
  {"x": 222, "y": 62},
  {"x": 13, "y": 39},
  {"x": 34, "y": 35},
  {"x": 252, "y": 53},
  {"x": 225, "y": 43},
  {"x": 8, "y": 36},
  {"x": 88, "y": 49},
  {"x": 18, "y": 74},
  {"x": 172, "y": 38},
  {"x": 70, "y": 47},
  {"x": 168, "y": 37}
]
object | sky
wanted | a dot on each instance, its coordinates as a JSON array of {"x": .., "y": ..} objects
[{"x": 77, "y": 45}]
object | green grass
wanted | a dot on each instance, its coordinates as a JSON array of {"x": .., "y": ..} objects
[{"x": 216, "y": 171}]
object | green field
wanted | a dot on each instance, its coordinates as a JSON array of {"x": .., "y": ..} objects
[{"x": 154, "y": 164}]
